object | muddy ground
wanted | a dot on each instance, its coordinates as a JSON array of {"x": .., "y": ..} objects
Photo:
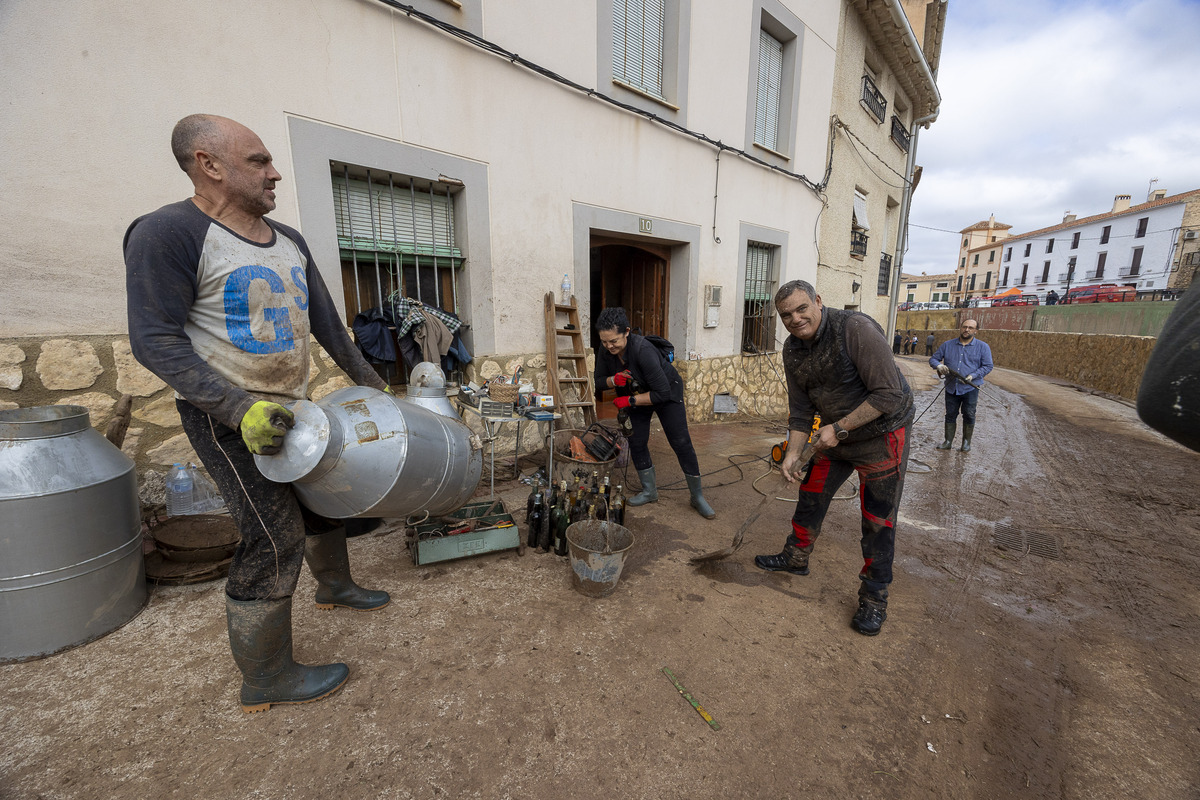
[{"x": 999, "y": 673}]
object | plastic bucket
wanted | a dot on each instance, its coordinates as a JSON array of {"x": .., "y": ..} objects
[{"x": 598, "y": 549}]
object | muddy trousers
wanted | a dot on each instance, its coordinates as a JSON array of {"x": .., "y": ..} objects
[
  {"x": 880, "y": 463},
  {"x": 673, "y": 417},
  {"x": 269, "y": 517},
  {"x": 966, "y": 403}
]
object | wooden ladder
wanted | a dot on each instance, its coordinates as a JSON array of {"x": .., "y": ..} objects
[{"x": 574, "y": 391}]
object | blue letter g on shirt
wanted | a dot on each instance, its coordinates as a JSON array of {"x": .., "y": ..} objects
[{"x": 237, "y": 311}]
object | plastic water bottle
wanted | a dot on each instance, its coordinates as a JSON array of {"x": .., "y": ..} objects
[
  {"x": 179, "y": 492},
  {"x": 566, "y": 289}
]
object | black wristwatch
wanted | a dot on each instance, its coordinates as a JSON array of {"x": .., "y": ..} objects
[{"x": 840, "y": 432}]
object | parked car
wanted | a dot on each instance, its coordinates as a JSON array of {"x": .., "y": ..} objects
[
  {"x": 1104, "y": 293},
  {"x": 938, "y": 306},
  {"x": 1018, "y": 300},
  {"x": 980, "y": 302},
  {"x": 905, "y": 307}
]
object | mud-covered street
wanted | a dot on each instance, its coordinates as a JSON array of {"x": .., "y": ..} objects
[{"x": 1060, "y": 666}]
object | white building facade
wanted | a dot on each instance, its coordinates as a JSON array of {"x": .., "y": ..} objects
[
  {"x": 668, "y": 156},
  {"x": 1132, "y": 245}
]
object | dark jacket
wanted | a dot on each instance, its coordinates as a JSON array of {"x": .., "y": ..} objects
[
  {"x": 648, "y": 367},
  {"x": 847, "y": 364}
]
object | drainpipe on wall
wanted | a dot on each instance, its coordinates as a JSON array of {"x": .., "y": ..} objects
[
  {"x": 905, "y": 204},
  {"x": 900, "y": 19}
]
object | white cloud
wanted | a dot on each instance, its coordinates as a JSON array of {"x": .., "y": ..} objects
[{"x": 1054, "y": 106}]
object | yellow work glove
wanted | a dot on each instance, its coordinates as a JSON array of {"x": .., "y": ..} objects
[
  {"x": 388, "y": 389},
  {"x": 264, "y": 427}
]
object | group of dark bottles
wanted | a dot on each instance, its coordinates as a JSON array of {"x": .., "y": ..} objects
[{"x": 549, "y": 511}]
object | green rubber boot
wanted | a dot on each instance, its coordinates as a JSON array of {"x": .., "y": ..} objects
[
  {"x": 967, "y": 431},
  {"x": 260, "y": 636},
  {"x": 330, "y": 564},
  {"x": 698, "y": 502},
  {"x": 951, "y": 427},
  {"x": 649, "y": 492}
]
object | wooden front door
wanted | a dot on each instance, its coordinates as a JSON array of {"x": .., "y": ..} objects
[{"x": 636, "y": 278}]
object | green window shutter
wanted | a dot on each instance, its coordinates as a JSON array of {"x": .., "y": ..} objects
[
  {"x": 390, "y": 214},
  {"x": 759, "y": 271},
  {"x": 770, "y": 79}
]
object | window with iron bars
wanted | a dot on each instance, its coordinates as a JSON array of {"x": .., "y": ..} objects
[
  {"x": 396, "y": 238},
  {"x": 872, "y": 99},
  {"x": 858, "y": 243},
  {"x": 758, "y": 317},
  {"x": 885, "y": 274}
]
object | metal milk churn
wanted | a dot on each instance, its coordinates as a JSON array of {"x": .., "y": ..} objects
[
  {"x": 71, "y": 567},
  {"x": 360, "y": 452}
]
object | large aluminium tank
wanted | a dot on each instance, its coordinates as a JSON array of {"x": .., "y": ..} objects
[
  {"x": 71, "y": 567},
  {"x": 360, "y": 452}
]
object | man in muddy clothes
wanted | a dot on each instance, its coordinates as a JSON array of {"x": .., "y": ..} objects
[
  {"x": 221, "y": 305},
  {"x": 971, "y": 358},
  {"x": 837, "y": 363}
]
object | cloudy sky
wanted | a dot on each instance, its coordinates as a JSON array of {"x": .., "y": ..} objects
[{"x": 1051, "y": 106}]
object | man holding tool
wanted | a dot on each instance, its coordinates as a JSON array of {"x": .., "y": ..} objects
[
  {"x": 837, "y": 364},
  {"x": 221, "y": 305},
  {"x": 963, "y": 362}
]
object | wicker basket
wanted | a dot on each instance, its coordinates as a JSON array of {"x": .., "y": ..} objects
[{"x": 504, "y": 392}]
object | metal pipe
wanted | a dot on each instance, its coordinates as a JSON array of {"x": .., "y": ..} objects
[
  {"x": 374, "y": 240},
  {"x": 453, "y": 266},
  {"x": 350, "y": 228},
  {"x": 437, "y": 282},
  {"x": 412, "y": 207}
]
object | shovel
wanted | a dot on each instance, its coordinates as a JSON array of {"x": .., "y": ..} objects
[{"x": 806, "y": 455}]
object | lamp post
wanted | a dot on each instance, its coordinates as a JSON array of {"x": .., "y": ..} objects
[{"x": 1067, "y": 291}]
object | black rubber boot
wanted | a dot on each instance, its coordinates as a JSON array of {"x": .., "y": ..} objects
[
  {"x": 330, "y": 564},
  {"x": 951, "y": 427},
  {"x": 869, "y": 618},
  {"x": 260, "y": 636},
  {"x": 649, "y": 492},
  {"x": 792, "y": 559},
  {"x": 967, "y": 431},
  {"x": 698, "y": 502}
]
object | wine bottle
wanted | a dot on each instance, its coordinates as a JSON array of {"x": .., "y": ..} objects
[
  {"x": 560, "y": 529},
  {"x": 616, "y": 510}
]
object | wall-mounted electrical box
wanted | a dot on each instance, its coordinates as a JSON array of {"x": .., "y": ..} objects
[{"x": 712, "y": 305}]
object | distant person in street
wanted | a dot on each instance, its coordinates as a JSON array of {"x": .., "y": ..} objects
[
  {"x": 896, "y": 343},
  {"x": 914, "y": 341},
  {"x": 836, "y": 364},
  {"x": 929, "y": 340},
  {"x": 647, "y": 385},
  {"x": 1051, "y": 298},
  {"x": 1169, "y": 397},
  {"x": 907, "y": 342},
  {"x": 222, "y": 302},
  {"x": 963, "y": 362}
]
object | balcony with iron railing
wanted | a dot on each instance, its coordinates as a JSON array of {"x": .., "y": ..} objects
[
  {"x": 872, "y": 99},
  {"x": 1128, "y": 272},
  {"x": 858, "y": 243},
  {"x": 1069, "y": 275},
  {"x": 1093, "y": 274},
  {"x": 900, "y": 134}
]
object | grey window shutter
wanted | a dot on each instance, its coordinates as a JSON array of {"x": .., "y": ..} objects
[
  {"x": 770, "y": 79},
  {"x": 638, "y": 30}
]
